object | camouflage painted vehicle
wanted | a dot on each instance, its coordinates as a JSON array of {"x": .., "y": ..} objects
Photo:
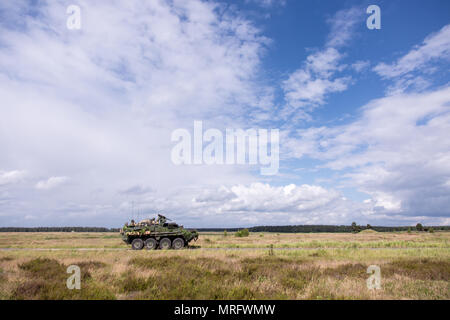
[{"x": 153, "y": 234}]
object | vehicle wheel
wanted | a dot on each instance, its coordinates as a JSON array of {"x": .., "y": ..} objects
[
  {"x": 137, "y": 244},
  {"x": 178, "y": 243},
  {"x": 165, "y": 243},
  {"x": 150, "y": 244}
]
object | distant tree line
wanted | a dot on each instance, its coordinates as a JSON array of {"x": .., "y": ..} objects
[
  {"x": 58, "y": 229},
  {"x": 279, "y": 229},
  {"x": 342, "y": 228}
]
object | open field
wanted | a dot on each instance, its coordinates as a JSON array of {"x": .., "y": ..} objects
[
  {"x": 218, "y": 240},
  {"x": 325, "y": 266}
]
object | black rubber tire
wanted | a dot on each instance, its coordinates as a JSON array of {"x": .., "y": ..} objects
[
  {"x": 178, "y": 244},
  {"x": 151, "y": 244},
  {"x": 137, "y": 244},
  {"x": 165, "y": 244}
]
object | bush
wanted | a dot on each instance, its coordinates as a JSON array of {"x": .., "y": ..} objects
[
  {"x": 355, "y": 227},
  {"x": 242, "y": 233}
]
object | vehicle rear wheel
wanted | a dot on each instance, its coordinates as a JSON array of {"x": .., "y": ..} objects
[
  {"x": 137, "y": 244},
  {"x": 150, "y": 244},
  {"x": 165, "y": 243},
  {"x": 178, "y": 243}
]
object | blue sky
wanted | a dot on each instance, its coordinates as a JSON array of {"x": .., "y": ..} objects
[{"x": 87, "y": 115}]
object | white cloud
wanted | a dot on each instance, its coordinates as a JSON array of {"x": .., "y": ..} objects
[
  {"x": 51, "y": 183},
  {"x": 343, "y": 25},
  {"x": 307, "y": 87},
  {"x": 9, "y": 177},
  {"x": 407, "y": 69},
  {"x": 267, "y": 3},
  {"x": 415, "y": 83},
  {"x": 397, "y": 152},
  {"x": 260, "y": 203},
  {"x": 435, "y": 46},
  {"x": 99, "y": 104},
  {"x": 360, "y": 65}
]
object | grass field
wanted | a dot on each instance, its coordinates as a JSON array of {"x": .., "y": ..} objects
[{"x": 300, "y": 266}]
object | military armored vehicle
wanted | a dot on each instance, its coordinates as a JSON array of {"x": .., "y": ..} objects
[{"x": 152, "y": 234}]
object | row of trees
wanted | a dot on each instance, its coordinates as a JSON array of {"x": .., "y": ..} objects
[
  {"x": 280, "y": 229},
  {"x": 58, "y": 229},
  {"x": 342, "y": 228}
]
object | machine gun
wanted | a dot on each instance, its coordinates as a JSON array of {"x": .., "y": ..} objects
[{"x": 161, "y": 219}]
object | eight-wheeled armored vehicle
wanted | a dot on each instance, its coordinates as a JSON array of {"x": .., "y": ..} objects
[{"x": 153, "y": 234}]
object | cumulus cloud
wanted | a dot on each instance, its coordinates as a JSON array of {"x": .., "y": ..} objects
[
  {"x": 397, "y": 152},
  {"x": 9, "y": 177},
  {"x": 310, "y": 85},
  {"x": 51, "y": 183},
  {"x": 99, "y": 104},
  {"x": 262, "y": 203}
]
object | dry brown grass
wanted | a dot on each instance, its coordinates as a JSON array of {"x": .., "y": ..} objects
[
  {"x": 322, "y": 273},
  {"x": 255, "y": 240}
]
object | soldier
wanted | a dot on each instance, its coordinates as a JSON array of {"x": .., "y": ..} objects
[
  {"x": 145, "y": 222},
  {"x": 161, "y": 219}
]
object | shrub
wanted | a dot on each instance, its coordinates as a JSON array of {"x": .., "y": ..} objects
[
  {"x": 242, "y": 233},
  {"x": 355, "y": 227}
]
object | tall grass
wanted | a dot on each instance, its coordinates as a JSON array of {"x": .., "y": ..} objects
[{"x": 409, "y": 271}]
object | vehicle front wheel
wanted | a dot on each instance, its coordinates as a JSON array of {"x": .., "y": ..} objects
[
  {"x": 150, "y": 244},
  {"x": 178, "y": 243},
  {"x": 137, "y": 244},
  {"x": 165, "y": 243}
]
